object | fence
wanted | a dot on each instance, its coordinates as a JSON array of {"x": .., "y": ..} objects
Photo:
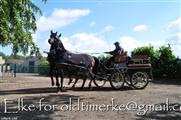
[
  {"x": 6, "y": 70},
  {"x": 13, "y": 69}
]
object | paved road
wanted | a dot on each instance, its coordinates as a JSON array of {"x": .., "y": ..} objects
[{"x": 39, "y": 101}]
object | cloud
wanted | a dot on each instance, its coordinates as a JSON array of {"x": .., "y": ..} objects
[
  {"x": 92, "y": 24},
  {"x": 177, "y": 49},
  {"x": 129, "y": 43},
  {"x": 174, "y": 26},
  {"x": 60, "y": 18},
  {"x": 92, "y": 43},
  {"x": 140, "y": 28},
  {"x": 174, "y": 31},
  {"x": 82, "y": 43},
  {"x": 175, "y": 42},
  {"x": 174, "y": 36},
  {"x": 108, "y": 28},
  {"x": 35, "y": 37}
]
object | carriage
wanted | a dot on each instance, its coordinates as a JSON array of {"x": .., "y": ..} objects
[
  {"x": 135, "y": 71},
  {"x": 136, "y": 74}
]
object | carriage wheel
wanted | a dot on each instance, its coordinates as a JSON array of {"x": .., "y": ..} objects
[
  {"x": 127, "y": 79},
  {"x": 99, "y": 82},
  {"x": 117, "y": 80},
  {"x": 139, "y": 80}
]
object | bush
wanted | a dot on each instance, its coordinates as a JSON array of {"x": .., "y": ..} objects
[
  {"x": 43, "y": 68},
  {"x": 104, "y": 58},
  {"x": 146, "y": 50}
]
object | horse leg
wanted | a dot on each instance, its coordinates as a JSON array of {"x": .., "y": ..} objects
[
  {"x": 76, "y": 80},
  {"x": 84, "y": 80},
  {"x": 57, "y": 81},
  {"x": 91, "y": 79},
  {"x": 70, "y": 79},
  {"x": 51, "y": 75},
  {"x": 90, "y": 86},
  {"x": 62, "y": 78}
]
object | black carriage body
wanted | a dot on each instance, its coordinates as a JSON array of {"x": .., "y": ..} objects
[
  {"x": 147, "y": 70},
  {"x": 139, "y": 63}
]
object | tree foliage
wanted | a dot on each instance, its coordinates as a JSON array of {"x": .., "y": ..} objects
[
  {"x": 2, "y": 55},
  {"x": 145, "y": 50},
  {"x": 17, "y": 24}
]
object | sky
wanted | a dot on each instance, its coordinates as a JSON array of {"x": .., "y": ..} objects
[{"x": 92, "y": 26}]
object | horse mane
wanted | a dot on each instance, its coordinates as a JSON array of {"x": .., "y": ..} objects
[{"x": 59, "y": 44}]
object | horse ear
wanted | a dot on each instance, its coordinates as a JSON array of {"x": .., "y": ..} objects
[
  {"x": 51, "y": 32},
  {"x": 59, "y": 35},
  {"x": 56, "y": 33}
]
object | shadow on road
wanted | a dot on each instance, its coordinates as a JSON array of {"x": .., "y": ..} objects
[
  {"x": 54, "y": 90},
  {"x": 100, "y": 89},
  {"x": 167, "y": 81},
  {"x": 173, "y": 113},
  {"x": 29, "y": 91}
]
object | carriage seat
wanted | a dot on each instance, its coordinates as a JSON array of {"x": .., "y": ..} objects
[
  {"x": 139, "y": 65},
  {"x": 140, "y": 61},
  {"x": 121, "y": 58}
]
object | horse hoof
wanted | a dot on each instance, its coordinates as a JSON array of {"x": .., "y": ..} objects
[
  {"x": 63, "y": 90},
  {"x": 69, "y": 82},
  {"x": 81, "y": 88},
  {"x": 53, "y": 84}
]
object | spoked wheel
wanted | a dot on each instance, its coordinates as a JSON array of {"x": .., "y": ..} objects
[
  {"x": 99, "y": 82},
  {"x": 139, "y": 80},
  {"x": 127, "y": 79},
  {"x": 117, "y": 80}
]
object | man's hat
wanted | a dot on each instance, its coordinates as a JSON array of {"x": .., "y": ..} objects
[{"x": 116, "y": 43}]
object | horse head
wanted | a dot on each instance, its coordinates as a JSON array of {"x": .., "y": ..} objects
[
  {"x": 54, "y": 38},
  {"x": 55, "y": 41}
]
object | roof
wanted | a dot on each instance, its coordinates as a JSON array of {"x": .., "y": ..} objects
[
  {"x": 14, "y": 61},
  {"x": 20, "y": 61}
]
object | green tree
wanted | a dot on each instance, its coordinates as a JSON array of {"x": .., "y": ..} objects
[
  {"x": 167, "y": 62},
  {"x": 43, "y": 68},
  {"x": 2, "y": 55},
  {"x": 145, "y": 50},
  {"x": 17, "y": 23},
  {"x": 166, "y": 54}
]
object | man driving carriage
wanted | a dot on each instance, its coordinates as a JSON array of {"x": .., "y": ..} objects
[
  {"x": 118, "y": 50},
  {"x": 116, "y": 54}
]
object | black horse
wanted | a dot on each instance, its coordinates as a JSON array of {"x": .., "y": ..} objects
[{"x": 81, "y": 63}]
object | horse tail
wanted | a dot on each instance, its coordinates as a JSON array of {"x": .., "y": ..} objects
[{"x": 95, "y": 67}]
